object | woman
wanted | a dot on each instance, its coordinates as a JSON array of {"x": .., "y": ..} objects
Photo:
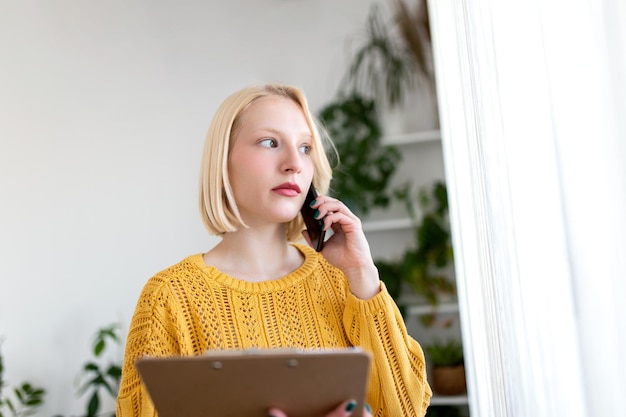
[{"x": 261, "y": 286}]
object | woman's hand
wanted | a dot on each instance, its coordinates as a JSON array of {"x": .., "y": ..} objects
[
  {"x": 347, "y": 248},
  {"x": 344, "y": 409}
]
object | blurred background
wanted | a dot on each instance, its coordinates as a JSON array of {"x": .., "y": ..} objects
[{"x": 103, "y": 111}]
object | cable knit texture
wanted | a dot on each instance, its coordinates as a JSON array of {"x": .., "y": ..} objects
[{"x": 191, "y": 307}]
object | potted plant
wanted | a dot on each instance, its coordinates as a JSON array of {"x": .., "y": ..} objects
[
  {"x": 447, "y": 367},
  {"x": 365, "y": 167}
]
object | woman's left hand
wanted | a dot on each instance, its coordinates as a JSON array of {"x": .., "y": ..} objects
[{"x": 347, "y": 248}]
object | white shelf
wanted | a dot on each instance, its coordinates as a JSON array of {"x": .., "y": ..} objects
[
  {"x": 412, "y": 137},
  {"x": 422, "y": 309},
  {"x": 449, "y": 400},
  {"x": 387, "y": 225}
]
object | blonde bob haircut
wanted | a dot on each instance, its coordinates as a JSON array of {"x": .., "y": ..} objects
[{"x": 218, "y": 208}]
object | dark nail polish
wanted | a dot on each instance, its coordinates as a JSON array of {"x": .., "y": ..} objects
[
  {"x": 312, "y": 203},
  {"x": 368, "y": 408},
  {"x": 317, "y": 214},
  {"x": 351, "y": 405}
]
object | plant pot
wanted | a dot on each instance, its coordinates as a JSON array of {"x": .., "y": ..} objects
[{"x": 449, "y": 380}]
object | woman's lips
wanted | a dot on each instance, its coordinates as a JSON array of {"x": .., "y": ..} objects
[{"x": 287, "y": 189}]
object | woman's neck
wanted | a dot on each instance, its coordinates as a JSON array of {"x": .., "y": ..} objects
[{"x": 254, "y": 257}]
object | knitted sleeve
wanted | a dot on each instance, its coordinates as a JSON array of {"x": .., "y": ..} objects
[
  {"x": 153, "y": 331},
  {"x": 397, "y": 382}
]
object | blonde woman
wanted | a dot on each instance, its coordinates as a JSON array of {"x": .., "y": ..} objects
[{"x": 261, "y": 286}]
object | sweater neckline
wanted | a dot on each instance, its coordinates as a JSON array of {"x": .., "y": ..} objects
[{"x": 302, "y": 272}]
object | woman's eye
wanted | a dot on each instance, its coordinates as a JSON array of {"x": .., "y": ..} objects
[
  {"x": 269, "y": 143},
  {"x": 305, "y": 149}
]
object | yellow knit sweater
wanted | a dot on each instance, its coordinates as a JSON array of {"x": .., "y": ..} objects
[{"x": 191, "y": 307}]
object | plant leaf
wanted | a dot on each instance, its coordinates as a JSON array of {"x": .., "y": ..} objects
[{"x": 94, "y": 405}]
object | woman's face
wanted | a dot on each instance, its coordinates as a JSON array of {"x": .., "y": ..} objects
[{"x": 269, "y": 164}]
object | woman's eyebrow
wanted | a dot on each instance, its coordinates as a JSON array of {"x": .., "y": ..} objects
[{"x": 303, "y": 134}]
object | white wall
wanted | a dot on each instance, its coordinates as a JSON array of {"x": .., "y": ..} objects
[{"x": 103, "y": 110}]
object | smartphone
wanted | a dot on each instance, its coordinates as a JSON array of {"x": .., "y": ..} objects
[{"x": 314, "y": 226}]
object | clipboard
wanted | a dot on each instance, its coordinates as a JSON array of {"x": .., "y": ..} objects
[{"x": 246, "y": 383}]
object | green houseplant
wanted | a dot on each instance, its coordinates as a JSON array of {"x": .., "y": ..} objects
[
  {"x": 448, "y": 369},
  {"x": 101, "y": 375},
  {"x": 22, "y": 400},
  {"x": 365, "y": 167},
  {"x": 422, "y": 267},
  {"x": 395, "y": 55},
  {"x": 433, "y": 252},
  {"x": 448, "y": 353}
]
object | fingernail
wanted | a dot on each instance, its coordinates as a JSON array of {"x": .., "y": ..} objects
[
  {"x": 368, "y": 408},
  {"x": 312, "y": 203},
  {"x": 317, "y": 214},
  {"x": 351, "y": 405}
]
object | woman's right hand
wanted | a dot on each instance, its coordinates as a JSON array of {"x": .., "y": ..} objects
[{"x": 344, "y": 409}]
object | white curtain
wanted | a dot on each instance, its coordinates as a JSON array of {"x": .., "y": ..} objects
[{"x": 532, "y": 100}]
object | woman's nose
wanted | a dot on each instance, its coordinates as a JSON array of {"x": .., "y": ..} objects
[{"x": 292, "y": 161}]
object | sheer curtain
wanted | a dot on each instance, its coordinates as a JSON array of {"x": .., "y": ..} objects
[{"x": 532, "y": 104}]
